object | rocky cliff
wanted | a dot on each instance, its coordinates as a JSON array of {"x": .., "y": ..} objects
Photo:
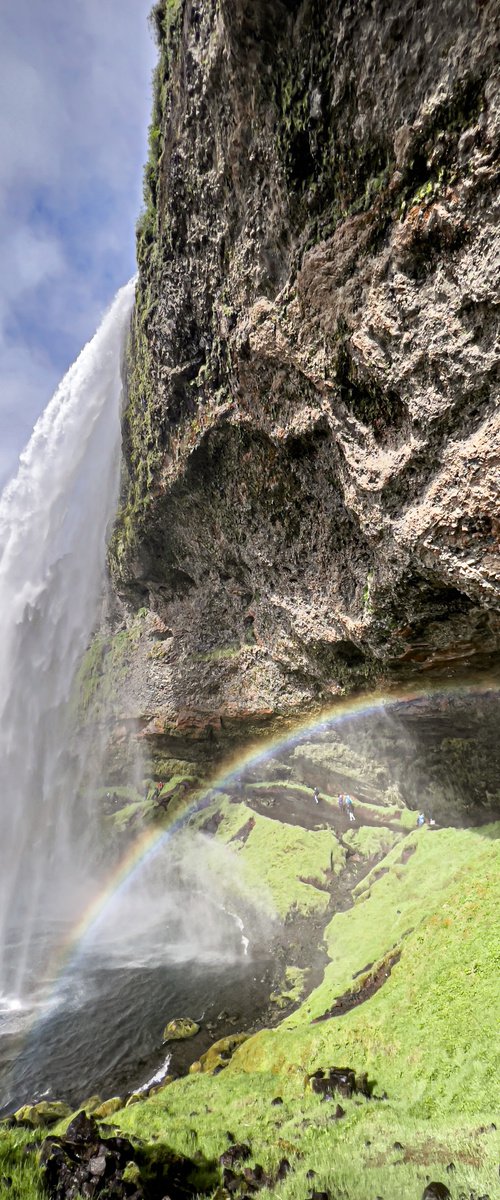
[{"x": 312, "y": 433}]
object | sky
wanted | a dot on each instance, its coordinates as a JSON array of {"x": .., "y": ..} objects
[{"x": 75, "y": 96}]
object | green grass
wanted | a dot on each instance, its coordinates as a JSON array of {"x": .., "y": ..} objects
[
  {"x": 276, "y": 857},
  {"x": 20, "y": 1168},
  {"x": 427, "y": 1038},
  {"x": 369, "y": 841},
  {"x": 354, "y": 1158}
]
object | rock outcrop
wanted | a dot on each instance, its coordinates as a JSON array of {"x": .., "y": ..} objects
[{"x": 312, "y": 431}]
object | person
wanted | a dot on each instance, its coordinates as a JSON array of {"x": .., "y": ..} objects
[
  {"x": 349, "y": 807},
  {"x": 316, "y": 795},
  {"x": 420, "y": 819},
  {"x": 341, "y": 801}
]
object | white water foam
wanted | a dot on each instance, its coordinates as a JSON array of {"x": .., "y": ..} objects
[{"x": 54, "y": 520}]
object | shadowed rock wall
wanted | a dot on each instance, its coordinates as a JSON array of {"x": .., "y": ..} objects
[{"x": 312, "y": 434}]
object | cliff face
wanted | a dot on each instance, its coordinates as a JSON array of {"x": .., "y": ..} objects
[{"x": 312, "y": 433}]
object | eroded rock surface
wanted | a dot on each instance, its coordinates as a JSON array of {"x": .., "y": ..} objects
[{"x": 312, "y": 434}]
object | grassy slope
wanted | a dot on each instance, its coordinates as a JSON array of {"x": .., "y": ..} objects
[
  {"x": 426, "y": 1037},
  {"x": 275, "y": 856}
]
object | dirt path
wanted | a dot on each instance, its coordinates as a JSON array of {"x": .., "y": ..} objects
[{"x": 293, "y": 807}]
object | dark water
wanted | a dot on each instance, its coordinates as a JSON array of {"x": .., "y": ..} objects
[{"x": 103, "y": 1031}]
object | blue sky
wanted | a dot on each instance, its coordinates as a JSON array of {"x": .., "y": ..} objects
[{"x": 75, "y": 94}]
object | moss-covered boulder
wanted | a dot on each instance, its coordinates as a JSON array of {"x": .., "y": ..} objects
[
  {"x": 219, "y": 1054},
  {"x": 39, "y": 1116},
  {"x": 90, "y": 1105},
  {"x": 113, "y": 1105},
  {"x": 179, "y": 1029}
]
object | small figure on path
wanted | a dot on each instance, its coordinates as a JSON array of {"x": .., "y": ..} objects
[
  {"x": 316, "y": 795},
  {"x": 341, "y": 801},
  {"x": 349, "y": 807},
  {"x": 420, "y": 819}
]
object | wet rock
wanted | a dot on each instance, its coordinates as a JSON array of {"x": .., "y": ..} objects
[
  {"x": 436, "y": 1191},
  {"x": 179, "y": 1029},
  {"x": 82, "y": 1129}
]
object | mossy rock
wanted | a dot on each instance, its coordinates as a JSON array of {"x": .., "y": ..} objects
[
  {"x": 90, "y": 1105},
  {"x": 113, "y": 1105},
  {"x": 221, "y": 1052},
  {"x": 159, "y": 1087},
  {"x": 47, "y": 1112},
  {"x": 132, "y": 1174},
  {"x": 179, "y": 1029}
]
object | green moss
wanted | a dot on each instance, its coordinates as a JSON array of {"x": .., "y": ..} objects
[
  {"x": 370, "y": 842},
  {"x": 103, "y": 672},
  {"x": 180, "y": 1028},
  {"x": 293, "y": 988},
  {"x": 219, "y": 1053}
]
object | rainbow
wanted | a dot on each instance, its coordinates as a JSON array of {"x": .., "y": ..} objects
[{"x": 150, "y": 842}]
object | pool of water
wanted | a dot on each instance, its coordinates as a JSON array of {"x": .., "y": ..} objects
[{"x": 99, "y": 1028}]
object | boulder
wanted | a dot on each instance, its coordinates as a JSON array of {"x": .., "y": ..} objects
[
  {"x": 436, "y": 1191},
  {"x": 179, "y": 1029},
  {"x": 90, "y": 1105},
  {"x": 108, "y": 1107},
  {"x": 220, "y": 1053},
  {"x": 45, "y": 1113},
  {"x": 335, "y": 1079}
]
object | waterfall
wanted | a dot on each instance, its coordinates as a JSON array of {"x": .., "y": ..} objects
[{"x": 54, "y": 520}]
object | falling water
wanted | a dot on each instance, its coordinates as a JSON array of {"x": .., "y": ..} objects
[{"x": 54, "y": 519}]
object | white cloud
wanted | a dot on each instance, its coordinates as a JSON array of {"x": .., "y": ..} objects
[{"x": 74, "y": 110}]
